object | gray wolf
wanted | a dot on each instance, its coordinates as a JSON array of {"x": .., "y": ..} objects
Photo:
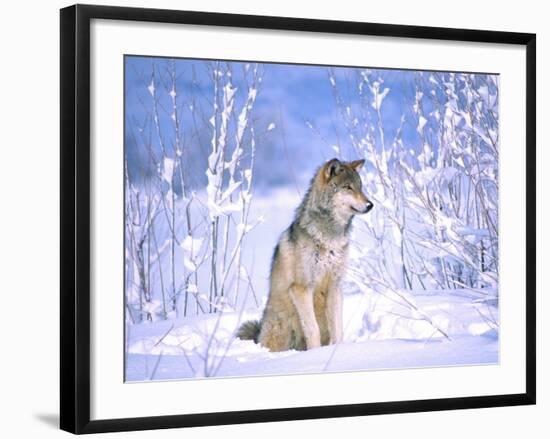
[{"x": 304, "y": 306}]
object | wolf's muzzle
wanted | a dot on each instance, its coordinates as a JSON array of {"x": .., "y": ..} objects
[{"x": 368, "y": 207}]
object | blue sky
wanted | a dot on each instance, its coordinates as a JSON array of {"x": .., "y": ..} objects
[{"x": 293, "y": 97}]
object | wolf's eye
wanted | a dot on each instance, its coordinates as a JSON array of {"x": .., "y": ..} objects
[{"x": 348, "y": 187}]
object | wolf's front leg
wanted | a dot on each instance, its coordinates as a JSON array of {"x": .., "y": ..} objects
[
  {"x": 302, "y": 298},
  {"x": 335, "y": 315}
]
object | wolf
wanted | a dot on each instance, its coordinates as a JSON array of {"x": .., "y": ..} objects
[{"x": 304, "y": 306}]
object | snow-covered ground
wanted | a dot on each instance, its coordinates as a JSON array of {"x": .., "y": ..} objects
[{"x": 381, "y": 331}]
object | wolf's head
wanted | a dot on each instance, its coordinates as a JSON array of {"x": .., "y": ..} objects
[{"x": 343, "y": 181}]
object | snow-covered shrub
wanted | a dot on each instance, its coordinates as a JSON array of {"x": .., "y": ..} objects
[
  {"x": 435, "y": 222},
  {"x": 187, "y": 208}
]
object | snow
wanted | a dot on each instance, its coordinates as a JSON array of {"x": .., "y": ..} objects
[
  {"x": 421, "y": 122},
  {"x": 151, "y": 88},
  {"x": 379, "y": 97},
  {"x": 380, "y": 333},
  {"x": 168, "y": 169},
  {"x": 189, "y": 243},
  {"x": 394, "y": 354}
]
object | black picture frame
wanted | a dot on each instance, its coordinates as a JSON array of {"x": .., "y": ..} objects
[{"x": 75, "y": 217}]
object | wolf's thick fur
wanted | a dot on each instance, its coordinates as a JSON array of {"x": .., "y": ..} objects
[{"x": 304, "y": 308}]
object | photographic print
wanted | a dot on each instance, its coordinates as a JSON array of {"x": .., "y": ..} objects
[{"x": 290, "y": 218}]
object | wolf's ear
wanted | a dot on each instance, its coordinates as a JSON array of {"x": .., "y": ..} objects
[
  {"x": 332, "y": 168},
  {"x": 356, "y": 164}
]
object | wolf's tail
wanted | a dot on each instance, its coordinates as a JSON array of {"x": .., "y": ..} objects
[{"x": 250, "y": 330}]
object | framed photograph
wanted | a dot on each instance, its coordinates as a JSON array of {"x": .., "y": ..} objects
[{"x": 272, "y": 218}]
